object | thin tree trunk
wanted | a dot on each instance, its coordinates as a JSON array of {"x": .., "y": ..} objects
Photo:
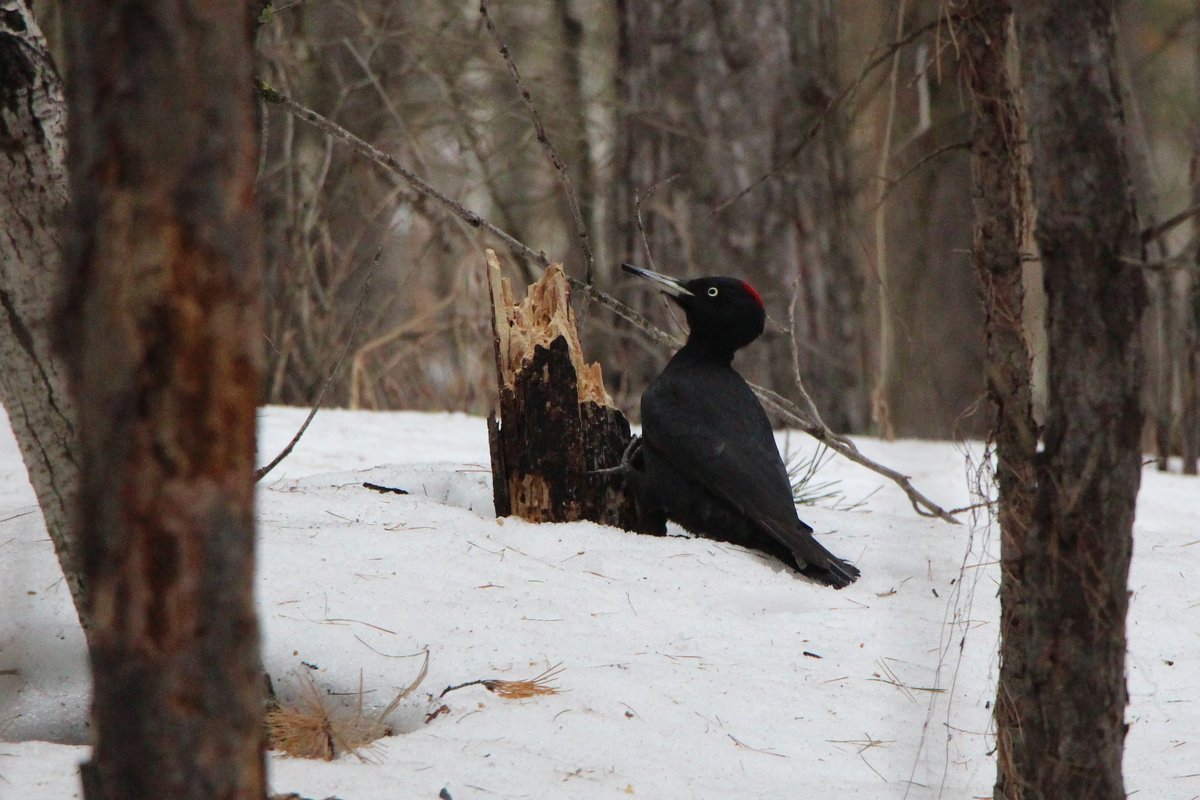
[
  {"x": 831, "y": 279},
  {"x": 1001, "y": 221},
  {"x": 886, "y": 379},
  {"x": 1068, "y": 692},
  {"x": 574, "y": 140},
  {"x": 1161, "y": 328},
  {"x": 33, "y": 197},
  {"x": 1190, "y": 418},
  {"x": 161, "y": 327}
]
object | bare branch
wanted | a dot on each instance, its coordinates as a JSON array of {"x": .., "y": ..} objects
[
  {"x": 793, "y": 415},
  {"x": 1168, "y": 225},
  {"x": 892, "y": 183},
  {"x": 392, "y": 165},
  {"x": 638, "y": 199}
]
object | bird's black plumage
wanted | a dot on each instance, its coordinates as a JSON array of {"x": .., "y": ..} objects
[{"x": 709, "y": 460}]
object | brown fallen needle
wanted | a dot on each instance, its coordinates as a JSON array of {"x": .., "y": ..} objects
[{"x": 516, "y": 690}]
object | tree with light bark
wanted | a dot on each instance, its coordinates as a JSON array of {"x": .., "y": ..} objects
[{"x": 33, "y": 199}]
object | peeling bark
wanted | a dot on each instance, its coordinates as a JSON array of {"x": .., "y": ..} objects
[
  {"x": 1000, "y": 194},
  {"x": 33, "y": 197}
]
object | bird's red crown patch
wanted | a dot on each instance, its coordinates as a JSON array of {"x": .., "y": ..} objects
[{"x": 753, "y": 293}]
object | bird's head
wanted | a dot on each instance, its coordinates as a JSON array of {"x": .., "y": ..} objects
[{"x": 725, "y": 313}]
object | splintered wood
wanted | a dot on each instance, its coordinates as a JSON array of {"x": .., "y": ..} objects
[
  {"x": 544, "y": 315},
  {"x": 557, "y": 424}
]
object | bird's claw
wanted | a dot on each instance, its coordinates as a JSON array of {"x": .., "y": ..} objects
[{"x": 631, "y": 451}]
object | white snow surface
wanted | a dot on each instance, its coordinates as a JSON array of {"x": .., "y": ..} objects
[{"x": 692, "y": 669}]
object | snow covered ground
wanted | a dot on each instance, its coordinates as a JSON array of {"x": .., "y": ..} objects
[{"x": 691, "y": 668}]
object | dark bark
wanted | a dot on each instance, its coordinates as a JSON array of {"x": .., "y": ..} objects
[
  {"x": 548, "y": 442},
  {"x": 161, "y": 330},
  {"x": 999, "y": 191},
  {"x": 1189, "y": 418},
  {"x": 1162, "y": 329},
  {"x": 1068, "y": 692},
  {"x": 33, "y": 198},
  {"x": 556, "y": 425}
]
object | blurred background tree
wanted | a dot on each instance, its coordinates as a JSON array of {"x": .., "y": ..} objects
[{"x": 819, "y": 148}]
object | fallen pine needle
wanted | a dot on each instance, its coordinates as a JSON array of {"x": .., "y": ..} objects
[
  {"x": 313, "y": 727},
  {"x": 516, "y": 690},
  {"x": 745, "y": 746}
]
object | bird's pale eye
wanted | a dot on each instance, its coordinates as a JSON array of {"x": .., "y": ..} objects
[{"x": 712, "y": 291}]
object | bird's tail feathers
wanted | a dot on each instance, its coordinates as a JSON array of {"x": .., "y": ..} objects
[
  {"x": 813, "y": 560},
  {"x": 835, "y": 572}
]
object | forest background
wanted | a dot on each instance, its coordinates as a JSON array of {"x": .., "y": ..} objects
[{"x": 820, "y": 150}]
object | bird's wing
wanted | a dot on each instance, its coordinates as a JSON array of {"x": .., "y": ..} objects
[{"x": 721, "y": 439}]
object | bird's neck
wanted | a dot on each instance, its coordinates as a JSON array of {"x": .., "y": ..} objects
[{"x": 700, "y": 350}]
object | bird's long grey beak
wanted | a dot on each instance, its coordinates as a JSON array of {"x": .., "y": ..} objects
[{"x": 671, "y": 286}]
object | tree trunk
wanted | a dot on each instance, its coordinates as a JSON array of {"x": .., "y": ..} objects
[
  {"x": 931, "y": 324},
  {"x": 832, "y": 352},
  {"x": 1067, "y": 693},
  {"x": 1190, "y": 417},
  {"x": 161, "y": 327},
  {"x": 33, "y": 197},
  {"x": 1162, "y": 329},
  {"x": 1001, "y": 221},
  {"x": 557, "y": 424}
]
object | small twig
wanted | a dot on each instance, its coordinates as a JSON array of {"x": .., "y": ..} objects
[
  {"x": 389, "y": 163},
  {"x": 865, "y": 743},
  {"x": 638, "y": 199},
  {"x": 564, "y": 176},
  {"x": 788, "y": 410},
  {"x": 891, "y": 183},
  {"x": 412, "y": 687},
  {"x": 458, "y": 686},
  {"x": 364, "y": 643},
  {"x": 1167, "y": 225},
  {"x": 515, "y": 690},
  {"x": 813, "y": 413},
  {"x": 375, "y": 487},
  {"x": 745, "y": 746},
  {"x": 872, "y": 768},
  {"x": 1183, "y": 260},
  {"x": 972, "y": 507},
  {"x": 356, "y": 317}
]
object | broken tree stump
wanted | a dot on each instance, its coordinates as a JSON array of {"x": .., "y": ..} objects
[{"x": 557, "y": 425}]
